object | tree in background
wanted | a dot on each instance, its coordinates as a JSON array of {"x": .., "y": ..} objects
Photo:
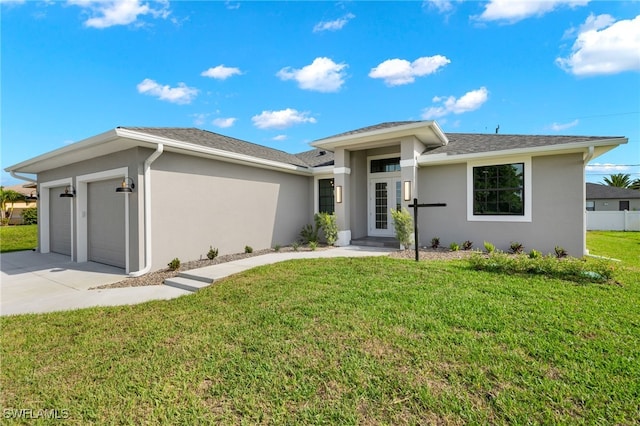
[
  {"x": 635, "y": 184},
  {"x": 7, "y": 198},
  {"x": 619, "y": 180}
]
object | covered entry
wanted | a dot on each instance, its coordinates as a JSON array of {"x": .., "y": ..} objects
[{"x": 106, "y": 235}]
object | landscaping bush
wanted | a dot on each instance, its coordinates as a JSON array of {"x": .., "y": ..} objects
[
  {"x": 30, "y": 216},
  {"x": 435, "y": 242},
  {"x": 309, "y": 234},
  {"x": 467, "y": 245},
  {"x": 403, "y": 224},
  {"x": 570, "y": 269},
  {"x": 248, "y": 249},
  {"x": 329, "y": 226},
  {"x": 174, "y": 265},
  {"x": 490, "y": 248},
  {"x": 212, "y": 253},
  {"x": 454, "y": 246}
]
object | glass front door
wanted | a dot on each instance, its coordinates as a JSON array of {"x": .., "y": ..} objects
[{"x": 384, "y": 194}]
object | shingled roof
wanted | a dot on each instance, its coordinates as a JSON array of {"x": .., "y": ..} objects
[
  {"x": 473, "y": 143},
  {"x": 379, "y": 126},
  {"x": 597, "y": 191},
  {"x": 317, "y": 157},
  {"x": 217, "y": 141}
]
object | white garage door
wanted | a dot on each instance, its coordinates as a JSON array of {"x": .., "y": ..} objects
[
  {"x": 106, "y": 223},
  {"x": 59, "y": 222}
]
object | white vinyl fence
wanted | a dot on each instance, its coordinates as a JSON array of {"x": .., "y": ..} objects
[{"x": 613, "y": 221}]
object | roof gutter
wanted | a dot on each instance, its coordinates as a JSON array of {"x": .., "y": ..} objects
[
  {"x": 147, "y": 212},
  {"x": 14, "y": 174}
]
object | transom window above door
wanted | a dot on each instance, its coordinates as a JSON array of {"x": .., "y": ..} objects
[{"x": 385, "y": 165}]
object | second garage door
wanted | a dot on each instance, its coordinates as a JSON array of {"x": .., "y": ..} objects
[{"x": 106, "y": 223}]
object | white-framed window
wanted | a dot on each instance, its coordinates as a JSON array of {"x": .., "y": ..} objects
[
  {"x": 590, "y": 206},
  {"x": 499, "y": 190}
]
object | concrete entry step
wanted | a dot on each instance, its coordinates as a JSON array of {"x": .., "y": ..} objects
[
  {"x": 187, "y": 283},
  {"x": 195, "y": 276},
  {"x": 387, "y": 242}
]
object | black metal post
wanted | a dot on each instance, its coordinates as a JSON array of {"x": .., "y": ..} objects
[{"x": 415, "y": 228}]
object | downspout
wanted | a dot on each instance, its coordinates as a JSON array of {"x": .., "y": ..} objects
[
  {"x": 17, "y": 176},
  {"x": 147, "y": 212},
  {"x": 588, "y": 156}
]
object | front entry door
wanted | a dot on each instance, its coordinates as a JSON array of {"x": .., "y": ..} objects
[{"x": 384, "y": 195}]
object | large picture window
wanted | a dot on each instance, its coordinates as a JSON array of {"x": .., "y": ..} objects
[
  {"x": 498, "y": 190},
  {"x": 325, "y": 196}
]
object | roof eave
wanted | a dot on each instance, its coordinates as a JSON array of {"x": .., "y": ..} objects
[
  {"x": 214, "y": 153},
  {"x": 356, "y": 139},
  {"x": 604, "y": 145}
]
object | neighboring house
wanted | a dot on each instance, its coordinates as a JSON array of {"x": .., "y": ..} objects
[
  {"x": 610, "y": 198},
  {"x": 497, "y": 188},
  {"x": 29, "y": 201}
]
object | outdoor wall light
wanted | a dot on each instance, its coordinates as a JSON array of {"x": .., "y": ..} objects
[
  {"x": 69, "y": 192},
  {"x": 126, "y": 186},
  {"x": 339, "y": 194},
  {"x": 31, "y": 197},
  {"x": 407, "y": 190}
]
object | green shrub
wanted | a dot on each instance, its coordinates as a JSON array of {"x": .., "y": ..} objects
[
  {"x": 174, "y": 265},
  {"x": 435, "y": 242},
  {"x": 403, "y": 224},
  {"x": 30, "y": 216},
  {"x": 467, "y": 245},
  {"x": 454, "y": 246},
  {"x": 212, "y": 253},
  {"x": 490, "y": 248},
  {"x": 295, "y": 246},
  {"x": 276, "y": 247},
  {"x": 535, "y": 254},
  {"x": 560, "y": 252},
  {"x": 313, "y": 245},
  {"x": 516, "y": 247},
  {"x": 329, "y": 226},
  {"x": 309, "y": 234},
  {"x": 248, "y": 249},
  {"x": 570, "y": 269}
]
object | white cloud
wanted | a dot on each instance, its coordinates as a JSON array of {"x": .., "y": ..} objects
[
  {"x": 231, "y": 5},
  {"x": 558, "y": 127},
  {"x": 224, "y": 122},
  {"x": 606, "y": 168},
  {"x": 221, "y": 72},
  {"x": 470, "y": 101},
  {"x": 108, "y": 13},
  {"x": 322, "y": 75},
  {"x": 604, "y": 46},
  {"x": 280, "y": 138},
  {"x": 512, "y": 11},
  {"x": 333, "y": 25},
  {"x": 281, "y": 119},
  {"x": 395, "y": 72},
  {"x": 182, "y": 94},
  {"x": 442, "y": 6},
  {"x": 199, "y": 119}
]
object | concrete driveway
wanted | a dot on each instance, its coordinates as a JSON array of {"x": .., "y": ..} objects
[{"x": 32, "y": 282}]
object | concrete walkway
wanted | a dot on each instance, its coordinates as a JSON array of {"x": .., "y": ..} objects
[{"x": 33, "y": 282}]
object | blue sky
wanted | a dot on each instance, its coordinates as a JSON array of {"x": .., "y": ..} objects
[{"x": 283, "y": 74}]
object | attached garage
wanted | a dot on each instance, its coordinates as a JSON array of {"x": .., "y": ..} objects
[
  {"x": 106, "y": 238},
  {"x": 59, "y": 221}
]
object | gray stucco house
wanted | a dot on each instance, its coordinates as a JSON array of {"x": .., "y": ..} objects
[
  {"x": 183, "y": 190},
  {"x": 609, "y": 198}
]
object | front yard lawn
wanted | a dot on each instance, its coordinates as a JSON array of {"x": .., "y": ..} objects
[
  {"x": 22, "y": 237},
  {"x": 341, "y": 341}
]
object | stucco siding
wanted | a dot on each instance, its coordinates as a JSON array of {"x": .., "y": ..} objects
[
  {"x": 131, "y": 160},
  {"x": 358, "y": 197},
  {"x": 198, "y": 203},
  {"x": 557, "y": 208}
]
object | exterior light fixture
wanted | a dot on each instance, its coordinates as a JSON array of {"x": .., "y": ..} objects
[
  {"x": 127, "y": 185},
  {"x": 69, "y": 192},
  {"x": 339, "y": 194},
  {"x": 31, "y": 197},
  {"x": 407, "y": 190}
]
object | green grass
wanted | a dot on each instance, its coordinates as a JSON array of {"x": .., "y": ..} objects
[
  {"x": 624, "y": 246},
  {"x": 14, "y": 238},
  {"x": 341, "y": 341}
]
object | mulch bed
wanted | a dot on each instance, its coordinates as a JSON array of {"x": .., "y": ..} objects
[{"x": 158, "y": 277}]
